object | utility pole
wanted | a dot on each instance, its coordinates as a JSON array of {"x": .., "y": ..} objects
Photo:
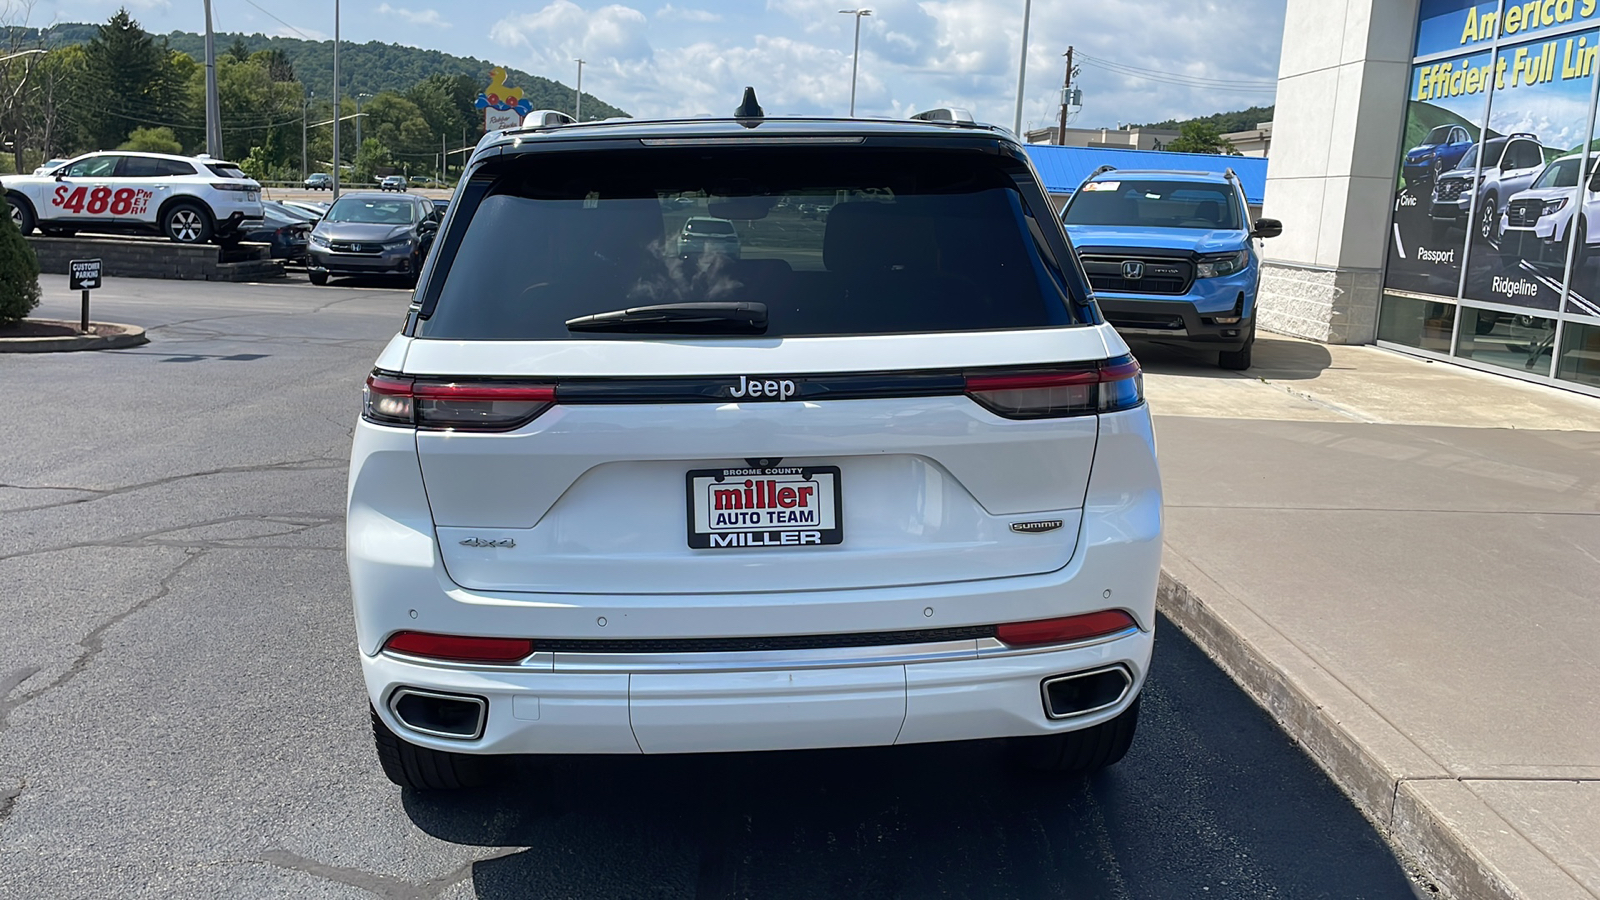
[
  {"x": 337, "y": 125},
  {"x": 577, "y": 103},
  {"x": 213, "y": 113},
  {"x": 444, "y": 161},
  {"x": 1022, "y": 66},
  {"x": 1066, "y": 96},
  {"x": 305, "y": 114},
  {"x": 855, "y": 55}
]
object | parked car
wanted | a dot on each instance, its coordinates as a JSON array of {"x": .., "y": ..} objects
[
  {"x": 392, "y": 183},
  {"x": 190, "y": 200},
  {"x": 319, "y": 181},
  {"x": 704, "y": 234},
  {"x": 889, "y": 481},
  {"x": 49, "y": 165},
  {"x": 1439, "y": 152},
  {"x": 286, "y": 229},
  {"x": 311, "y": 208},
  {"x": 371, "y": 233},
  {"x": 1171, "y": 256},
  {"x": 1537, "y": 223},
  {"x": 1510, "y": 165}
]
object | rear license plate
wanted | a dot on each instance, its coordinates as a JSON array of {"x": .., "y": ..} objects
[{"x": 780, "y": 506}]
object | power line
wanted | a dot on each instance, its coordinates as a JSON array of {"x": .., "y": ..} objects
[
  {"x": 1194, "y": 81},
  {"x": 278, "y": 20}
]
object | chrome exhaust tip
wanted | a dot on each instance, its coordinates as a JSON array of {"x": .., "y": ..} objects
[
  {"x": 459, "y": 717},
  {"x": 1084, "y": 693}
]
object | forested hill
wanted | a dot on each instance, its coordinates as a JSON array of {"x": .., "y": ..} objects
[
  {"x": 1243, "y": 120},
  {"x": 372, "y": 67}
]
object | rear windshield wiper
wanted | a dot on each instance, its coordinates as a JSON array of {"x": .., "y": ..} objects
[{"x": 718, "y": 317}]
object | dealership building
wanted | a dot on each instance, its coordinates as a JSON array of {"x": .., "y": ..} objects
[{"x": 1434, "y": 166}]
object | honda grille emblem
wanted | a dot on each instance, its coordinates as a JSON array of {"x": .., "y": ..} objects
[{"x": 1132, "y": 270}]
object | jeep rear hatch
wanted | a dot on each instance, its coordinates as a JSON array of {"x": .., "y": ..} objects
[{"x": 917, "y": 404}]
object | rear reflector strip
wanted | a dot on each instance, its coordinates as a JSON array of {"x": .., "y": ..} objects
[
  {"x": 1065, "y": 630},
  {"x": 459, "y": 649}
]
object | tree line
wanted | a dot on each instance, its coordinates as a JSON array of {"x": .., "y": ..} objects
[{"x": 116, "y": 86}]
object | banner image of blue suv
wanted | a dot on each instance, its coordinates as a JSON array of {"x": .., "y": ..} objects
[{"x": 1171, "y": 256}]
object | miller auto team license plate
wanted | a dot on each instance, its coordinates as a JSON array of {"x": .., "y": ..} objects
[{"x": 779, "y": 506}]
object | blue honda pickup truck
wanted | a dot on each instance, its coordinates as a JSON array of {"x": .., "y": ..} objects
[{"x": 1171, "y": 256}]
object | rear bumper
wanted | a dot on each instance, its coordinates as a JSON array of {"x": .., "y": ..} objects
[
  {"x": 947, "y": 699},
  {"x": 621, "y": 703}
]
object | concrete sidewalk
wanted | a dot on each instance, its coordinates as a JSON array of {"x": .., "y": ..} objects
[{"x": 1400, "y": 560}]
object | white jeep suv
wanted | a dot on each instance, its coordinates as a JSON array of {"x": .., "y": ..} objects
[
  {"x": 883, "y": 478},
  {"x": 190, "y": 200}
]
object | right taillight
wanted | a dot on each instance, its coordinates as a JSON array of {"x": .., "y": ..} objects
[
  {"x": 453, "y": 405},
  {"x": 1106, "y": 386}
]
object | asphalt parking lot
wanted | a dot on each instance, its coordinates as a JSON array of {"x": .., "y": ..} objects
[{"x": 182, "y": 715}]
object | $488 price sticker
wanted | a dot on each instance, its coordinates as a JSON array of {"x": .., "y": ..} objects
[{"x": 101, "y": 200}]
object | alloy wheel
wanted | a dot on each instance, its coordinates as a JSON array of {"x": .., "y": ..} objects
[
  {"x": 186, "y": 226},
  {"x": 16, "y": 215}
]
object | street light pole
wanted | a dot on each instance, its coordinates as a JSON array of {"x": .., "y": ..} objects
[
  {"x": 337, "y": 126},
  {"x": 1022, "y": 67},
  {"x": 213, "y": 114},
  {"x": 577, "y": 103},
  {"x": 360, "y": 97},
  {"x": 855, "y": 55}
]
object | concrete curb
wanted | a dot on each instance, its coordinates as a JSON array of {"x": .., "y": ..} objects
[
  {"x": 128, "y": 336},
  {"x": 1386, "y": 775}
]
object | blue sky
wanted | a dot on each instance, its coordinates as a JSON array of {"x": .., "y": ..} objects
[{"x": 693, "y": 56}]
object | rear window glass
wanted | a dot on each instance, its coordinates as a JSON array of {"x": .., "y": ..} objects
[
  {"x": 854, "y": 241},
  {"x": 226, "y": 170},
  {"x": 1154, "y": 204}
]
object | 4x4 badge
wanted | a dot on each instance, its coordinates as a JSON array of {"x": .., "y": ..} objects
[
  {"x": 1035, "y": 527},
  {"x": 480, "y": 542}
]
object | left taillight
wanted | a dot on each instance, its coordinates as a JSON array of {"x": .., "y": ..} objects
[
  {"x": 1100, "y": 387},
  {"x": 453, "y": 405}
]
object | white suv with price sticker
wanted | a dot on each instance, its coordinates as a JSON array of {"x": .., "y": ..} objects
[
  {"x": 190, "y": 200},
  {"x": 886, "y": 477}
]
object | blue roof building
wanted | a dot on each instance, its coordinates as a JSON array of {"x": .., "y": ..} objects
[{"x": 1064, "y": 168}]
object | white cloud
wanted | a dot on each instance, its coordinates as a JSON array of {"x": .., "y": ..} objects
[
  {"x": 914, "y": 54},
  {"x": 426, "y": 17},
  {"x": 687, "y": 15}
]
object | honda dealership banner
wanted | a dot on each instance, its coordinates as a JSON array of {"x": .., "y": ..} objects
[{"x": 1497, "y": 200}]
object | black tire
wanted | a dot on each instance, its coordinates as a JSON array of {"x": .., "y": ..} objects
[
  {"x": 22, "y": 213},
  {"x": 1485, "y": 322},
  {"x": 1488, "y": 217},
  {"x": 1239, "y": 360},
  {"x": 187, "y": 223},
  {"x": 318, "y": 278},
  {"x": 423, "y": 768},
  {"x": 1079, "y": 752}
]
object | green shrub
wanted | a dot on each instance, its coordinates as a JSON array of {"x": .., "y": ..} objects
[{"x": 19, "y": 270}]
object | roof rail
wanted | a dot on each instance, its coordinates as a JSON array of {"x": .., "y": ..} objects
[
  {"x": 944, "y": 114},
  {"x": 1102, "y": 170}
]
